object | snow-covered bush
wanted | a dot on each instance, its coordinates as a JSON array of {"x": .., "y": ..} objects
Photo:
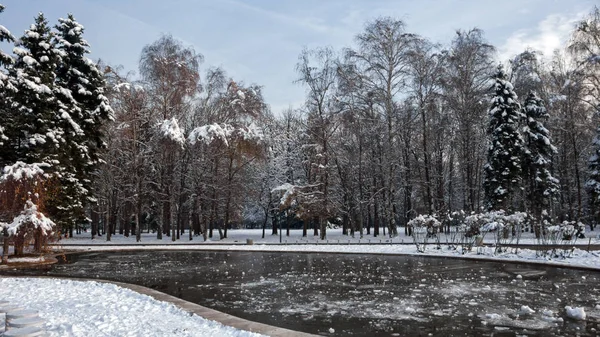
[
  {"x": 561, "y": 237},
  {"x": 425, "y": 227},
  {"x": 31, "y": 224},
  {"x": 29, "y": 219},
  {"x": 505, "y": 228},
  {"x": 512, "y": 228},
  {"x": 471, "y": 231},
  {"x": 571, "y": 230},
  {"x": 453, "y": 227},
  {"x": 23, "y": 191}
]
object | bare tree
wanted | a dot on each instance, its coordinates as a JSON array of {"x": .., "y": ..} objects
[
  {"x": 318, "y": 72},
  {"x": 170, "y": 73},
  {"x": 382, "y": 57},
  {"x": 469, "y": 66},
  {"x": 425, "y": 91}
]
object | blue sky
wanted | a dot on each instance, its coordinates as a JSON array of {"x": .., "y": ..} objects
[{"x": 259, "y": 41}]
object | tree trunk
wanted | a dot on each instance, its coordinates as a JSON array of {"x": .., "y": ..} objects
[
  {"x": 264, "y": 226},
  {"x": 121, "y": 219},
  {"x": 38, "y": 243},
  {"x": 275, "y": 222},
  {"x": 227, "y": 210},
  {"x": 304, "y": 228},
  {"x": 369, "y": 219},
  {"x": 95, "y": 221},
  {"x": 213, "y": 217},
  {"x": 166, "y": 216},
  {"x": 323, "y": 225},
  {"x": 159, "y": 229},
  {"x": 18, "y": 243},
  {"x": 138, "y": 218},
  {"x": 126, "y": 220},
  {"x": 375, "y": 220},
  {"x": 191, "y": 222},
  {"x": 173, "y": 220},
  {"x": 5, "y": 247},
  {"x": 345, "y": 224},
  {"x": 107, "y": 223}
]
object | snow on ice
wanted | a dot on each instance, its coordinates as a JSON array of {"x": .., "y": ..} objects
[{"x": 576, "y": 313}]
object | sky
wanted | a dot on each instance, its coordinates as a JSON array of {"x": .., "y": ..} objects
[{"x": 258, "y": 41}]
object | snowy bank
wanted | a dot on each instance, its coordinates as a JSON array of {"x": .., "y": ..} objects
[{"x": 76, "y": 308}]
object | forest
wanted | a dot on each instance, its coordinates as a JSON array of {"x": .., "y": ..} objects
[{"x": 393, "y": 127}]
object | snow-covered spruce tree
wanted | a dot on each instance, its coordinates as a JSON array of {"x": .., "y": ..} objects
[
  {"x": 5, "y": 36},
  {"x": 85, "y": 109},
  {"x": 36, "y": 135},
  {"x": 592, "y": 185},
  {"x": 503, "y": 167},
  {"x": 541, "y": 186},
  {"x": 5, "y": 88}
]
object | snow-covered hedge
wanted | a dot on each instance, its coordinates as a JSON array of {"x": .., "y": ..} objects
[{"x": 466, "y": 231}]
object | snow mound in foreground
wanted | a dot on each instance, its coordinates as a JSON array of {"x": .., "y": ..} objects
[{"x": 78, "y": 308}]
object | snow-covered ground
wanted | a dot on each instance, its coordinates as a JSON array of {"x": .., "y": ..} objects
[
  {"x": 76, "y": 308},
  {"x": 336, "y": 243},
  {"x": 237, "y": 236}
]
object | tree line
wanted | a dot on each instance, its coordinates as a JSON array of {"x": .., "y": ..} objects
[
  {"x": 398, "y": 126},
  {"x": 392, "y": 127}
]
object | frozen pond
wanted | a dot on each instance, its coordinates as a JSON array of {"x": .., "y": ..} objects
[{"x": 361, "y": 295}]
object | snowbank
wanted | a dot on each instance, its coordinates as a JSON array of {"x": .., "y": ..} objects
[{"x": 76, "y": 308}]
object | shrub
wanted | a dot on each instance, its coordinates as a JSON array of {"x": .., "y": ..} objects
[{"x": 23, "y": 191}]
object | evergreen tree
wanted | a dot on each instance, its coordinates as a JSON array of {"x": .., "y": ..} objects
[
  {"x": 84, "y": 111},
  {"x": 503, "y": 167},
  {"x": 5, "y": 36},
  {"x": 592, "y": 185},
  {"x": 537, "y": 161},
  {"x": 5, "y": 88},
  {"x": 37, "y": 135}
]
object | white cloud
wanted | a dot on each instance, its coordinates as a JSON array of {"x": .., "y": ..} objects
[{"x": 550, "y": 34}]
